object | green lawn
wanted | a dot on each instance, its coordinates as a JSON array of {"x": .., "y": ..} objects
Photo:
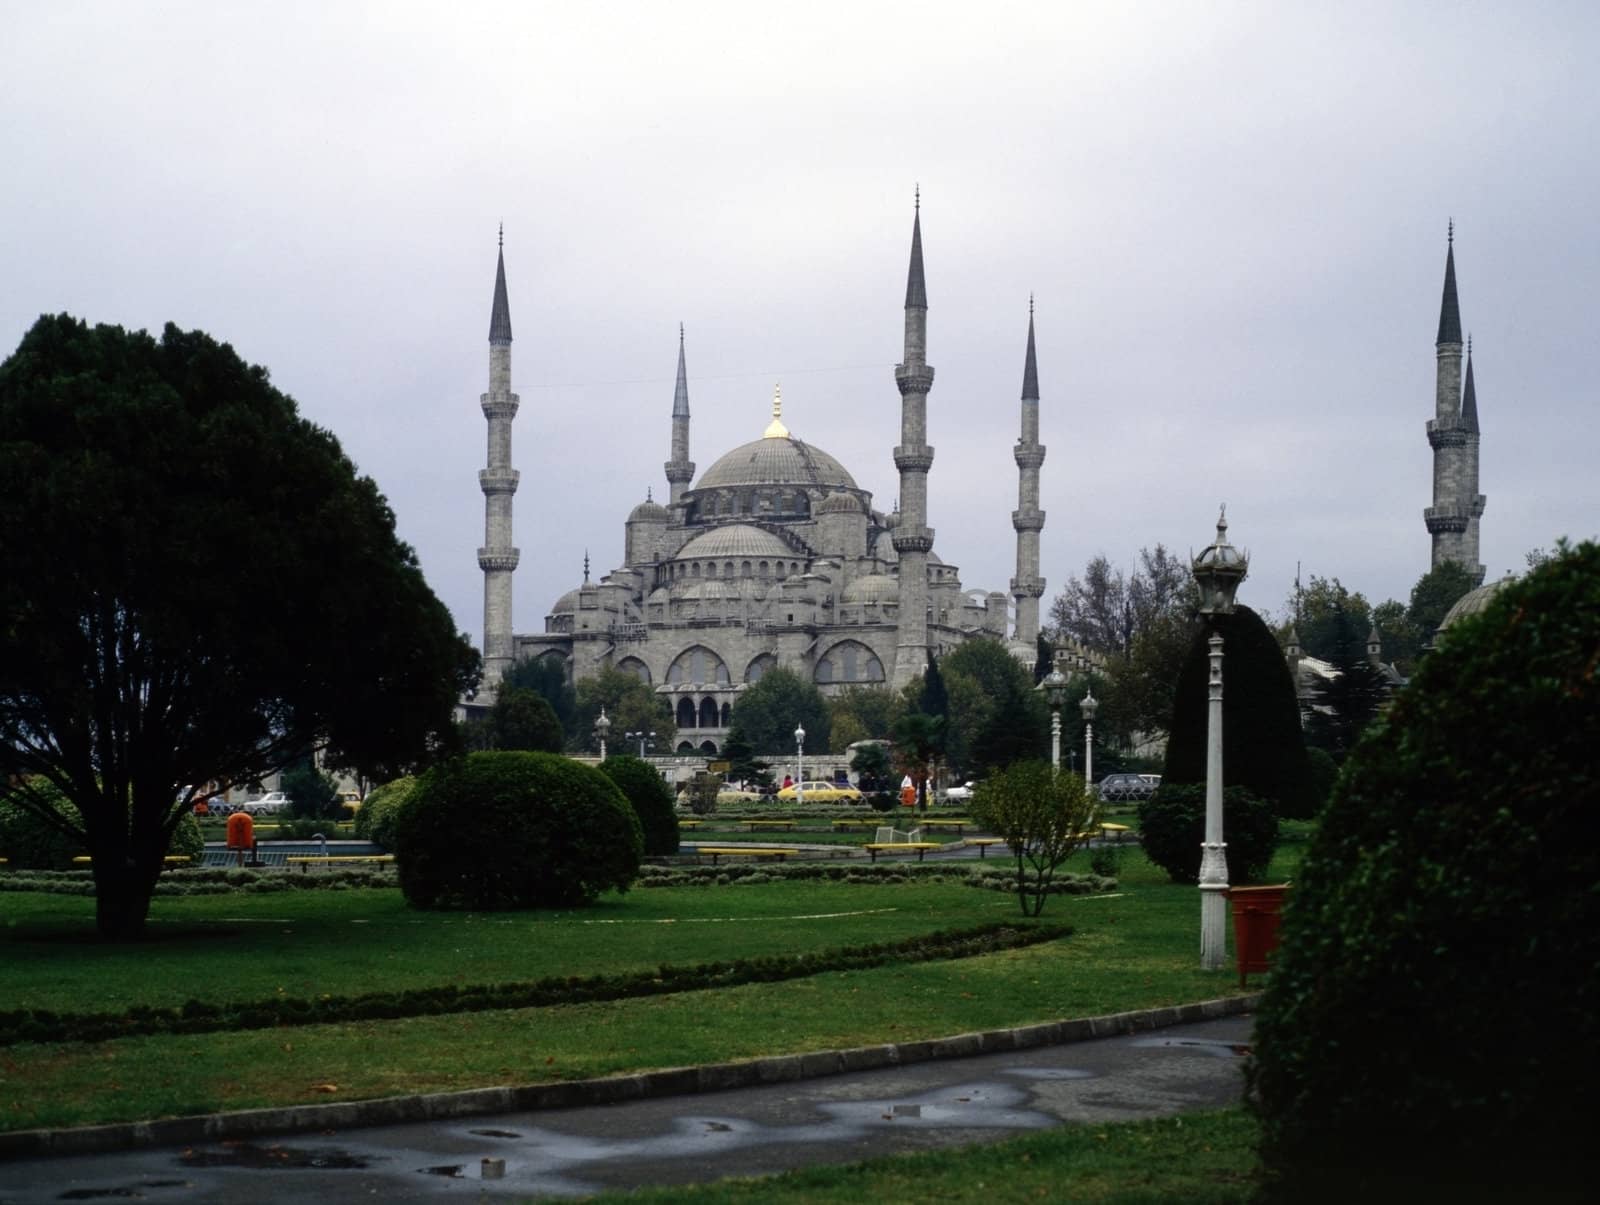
[{"x": 1138, "y": 948}]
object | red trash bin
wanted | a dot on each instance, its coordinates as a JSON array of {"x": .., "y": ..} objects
[
  {"x": 241, "y": 835},
  {"x": 1257, "y": 912}
]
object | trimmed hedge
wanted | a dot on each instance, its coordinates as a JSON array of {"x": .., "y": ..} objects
[
  {"x": 502, "y": 830},
  {"x": 376, "y": 815},
  {"x": 1434, "y": 1011},
  {"x": 1172, "y": 824},
  {"x": 651, "y": 799},
  {"x": 30, "y": 843},
  {"x": 199, "y": 1016}
]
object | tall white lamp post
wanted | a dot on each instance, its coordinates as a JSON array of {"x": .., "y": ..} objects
[
  {"x": 642, "y": 737},
  {"x": 1055, "y": 693},
  {"x": 1089, "y": 706},
  {"x": 799, "y": 765},
  {"x": 1218, "y": 570},
  {"x": 602, "y": 729}
]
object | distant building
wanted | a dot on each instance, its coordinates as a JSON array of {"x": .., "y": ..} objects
[{"x": 774, "y": 556}]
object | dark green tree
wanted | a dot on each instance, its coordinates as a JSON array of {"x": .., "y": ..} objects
[
  {"x": 1044, "y": 658},
  {"x": 918, "y": 738},
  {"x": 996, "y": 717},
  {"x": 651, "y": 799},
  {"x": 768, "y": 713},
  {"x": 523, "y": 719},
  {"x": 1435, "y": 994},
  {"x": 743, "y": 765},
  {"x": 874, "y": 773},
  {"x": 934, "y": 699},
  {"x": 1314, "y": 608},
  {"x": 547, "y": 676},
  {"x": 133, "y": 474},
  {"x": 312, "y": 794},
  {"x": 629, "y": 704},
  {"x": 1339, "y": 709},
  {"x": 1435, "y": 593},
  {"x": 1262, "y": 746}
]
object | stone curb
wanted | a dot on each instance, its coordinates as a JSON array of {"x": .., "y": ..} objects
[{"x": 614, "y": 1089}]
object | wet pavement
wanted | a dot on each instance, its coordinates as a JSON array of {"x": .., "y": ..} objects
[{"x": 677, "y": 1140}]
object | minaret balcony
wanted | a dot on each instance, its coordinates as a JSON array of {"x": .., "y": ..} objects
[
  {"x": 679, "y": 470},
  {"x": 1031, "y": 587},
  {"x": 916, "y": 378},
  {"x": 913, "y": 541},
  {"x": 913, "y": 460},
  {"x": 1448, "y": 433},
  {"x": 498, "y": 481},
  {"x": 1450, "y": 518},
  {"x": 1027, "y": 520},
  {"x": 503, "y": 405},
  {"x": 492, "y": 559},
  {"x": 1028, "y": 456}
]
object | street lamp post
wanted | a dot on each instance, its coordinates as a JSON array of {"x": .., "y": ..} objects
[
  {"x": 799, "y": 765},
  {"x": 602, "y": 729},
  {"x": 1088, "y": 706},
  {"x": 1218, "y": 570},
  {"x": 642, "y": 737},
  {"x": 1055, "y": 693}
]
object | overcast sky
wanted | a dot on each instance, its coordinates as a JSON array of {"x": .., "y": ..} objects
[{"x": 1232, "y": 216}]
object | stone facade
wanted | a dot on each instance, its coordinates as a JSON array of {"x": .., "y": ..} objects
[
  {"x": 1452, "y": 520},
  {"x": 776, "y": 557}
]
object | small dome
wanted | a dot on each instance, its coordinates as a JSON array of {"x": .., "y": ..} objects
[
  {"x": 873, "y": 588},
  {"x": 840, "y": 504},
  {"x": 735, "y": 540},
  {"x": 649, "y": 512},
  {"x": 1474, "y": 601},
  {"x": 566, "y": 604}
]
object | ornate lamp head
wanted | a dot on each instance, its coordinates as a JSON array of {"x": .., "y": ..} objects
[
  {"x": 799, "y": 735},
  {"x": 1055, "y": 688},
  {"x": 1089, "y": 706},
  {"x": 602, "y": 726},
  {"x": 1218, "y": 570}
]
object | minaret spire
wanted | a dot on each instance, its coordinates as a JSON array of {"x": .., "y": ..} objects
[
  {"x": 680, "y": 469},
  {"x": 1028, "y": 520},
  {"x": 498, "y": 557},
  {"x": 913, "y": 538},
  {"x": 1452, "y": 520}
]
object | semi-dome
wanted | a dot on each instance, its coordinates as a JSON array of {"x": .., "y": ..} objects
[
  {"x": 649, "y": 512},
  {"x": 872, "y": 588},
  {"x": 1474, "y": 601},
  {"x": 566, "y": 604},
  {"x": 735, "y": 540},
  {"x": 781, "y": 460},
  {"x": 840, "y": 504}
]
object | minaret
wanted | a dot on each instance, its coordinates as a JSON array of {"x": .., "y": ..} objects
[
  {"x": 497, "y": 558},
  {"x": 1450, "y": 520},
  {"x": 680, "y": 469},
  {"x": 1474, "y": 500},
  {"x": 913, "y": 538},
  {"x": 1028, "y": 519}
]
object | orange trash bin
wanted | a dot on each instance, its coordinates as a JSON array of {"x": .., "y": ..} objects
[
  {"x": 1257, "y": 912},
  {"x": 241, "y": 834}
]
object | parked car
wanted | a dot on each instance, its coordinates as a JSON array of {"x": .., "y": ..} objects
[
  {"x": 1122, "y": 787},
  {"x": 958, "y": 794},
  {"x": 820, "y": 792},
  {"x": 732, "y": 795},
  {"x": 269, "y": 804},
  {"x": 350, "y": 801}
]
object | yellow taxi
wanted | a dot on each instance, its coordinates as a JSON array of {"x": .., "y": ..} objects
[{"x": 820, "y": 792}]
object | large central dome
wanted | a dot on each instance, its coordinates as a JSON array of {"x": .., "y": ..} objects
[{"x": 782, "y": 460}]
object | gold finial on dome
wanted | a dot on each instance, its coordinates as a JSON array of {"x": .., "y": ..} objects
[{"x": 776, "y": 429}]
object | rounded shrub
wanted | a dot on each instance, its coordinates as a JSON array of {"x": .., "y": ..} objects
[
  {"x": 651, "y": 800},
  {"x": 1436, "y": 1001},
  {"x": 1262, "y": 745},
  {"x": 32, "y": 843},
  {"x": 1172, "y": 823},
  {"x": 506, "y": 830},
  {"x": 375, "y": 818}
]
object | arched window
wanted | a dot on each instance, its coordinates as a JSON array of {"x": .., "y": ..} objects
[
  {"x": 685, "y": 747},
  {"x": 708, "y": 746},
  {"x": 849, "y": 661},
  {"x": 727, "y": 714},
  {"x": 711, "y": 569},
  {"x": 697, "y": 666},
  {"x": 764, "y": 569},
  {"x": 708, "y": 713},
  {"x": 685, "y": 714},
  {"x": 759, "y": 666},
  {"x": 727, "y": 568},
  {"x": 694, "y": 571},
  {"x": 632, "y": 665},
  {"x": 744, "y": 569}
]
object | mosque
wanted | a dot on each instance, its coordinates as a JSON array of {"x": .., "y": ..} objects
[{"x": 773, "y": 556}]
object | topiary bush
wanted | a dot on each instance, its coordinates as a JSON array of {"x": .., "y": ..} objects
[
  {"x": 375, "y": 817},
  {"x": 31, "y": 843},
  {"x": 1324, "y": 773},
  {"x": 1262, "y": 745},
  {"x": 1435, "y": 1006},
  {"x": 651, "y": 799},
  {"x": 1172, "y": 823},
  {"x": 499, "y": 830}
]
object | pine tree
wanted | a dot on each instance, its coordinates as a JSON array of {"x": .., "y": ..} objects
[{"x": 1339, "y": 709}]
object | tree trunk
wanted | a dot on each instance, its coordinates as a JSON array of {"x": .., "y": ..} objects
[{"x": 122, "y": 888}]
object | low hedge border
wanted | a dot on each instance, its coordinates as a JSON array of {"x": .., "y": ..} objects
[
  {"x": 212, "y": 881},
  {"x": 998, "y": 877},
  {"x": 199, "y": 1016}
]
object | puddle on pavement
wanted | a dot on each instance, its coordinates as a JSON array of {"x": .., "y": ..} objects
[
  {"x": 495, "y": 1133},
  {"x": 249, "y": 1155},
  {"x": 1049, "y": 1073},
  {"x": 454, "y": 1171},
  {"x": 1222, "y": 1050},
  {"x": 136, "y": 1191}
]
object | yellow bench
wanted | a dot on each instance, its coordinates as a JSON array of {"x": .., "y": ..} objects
[
  {"x": 983, "y": 844},
  {"x": 304, "y": 861},
  {"x": 958, "y": 823},
  {"x": 1114, "y": 831},
  {"x": 751, "y": 826},
  {"x": 758, "y": 852},
  {"x": 688, "y": 824},
  {"x": 918, "y": 847},
  {"x": 85, "y": 859},
  {"x": 849, "y": 824}
]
